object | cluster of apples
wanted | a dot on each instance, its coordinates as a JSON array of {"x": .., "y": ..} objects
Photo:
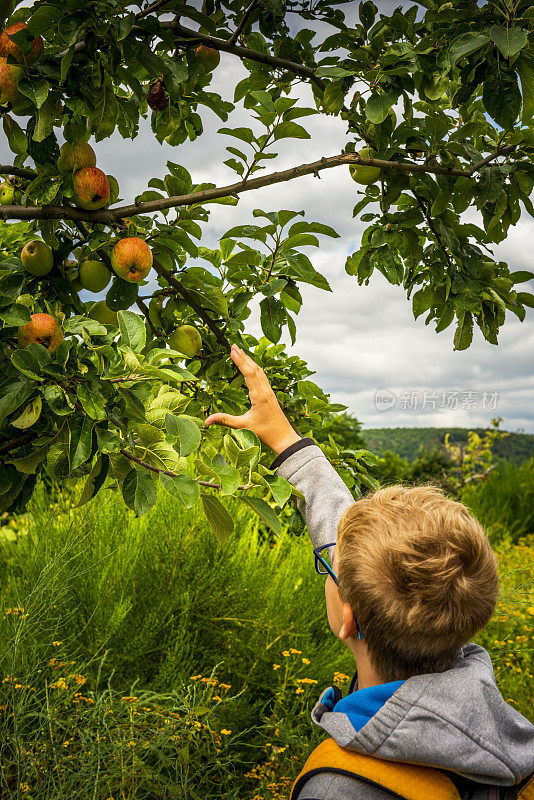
[
  {"x": 10, "y": 73},
  {"x": 91, "y": 186}
]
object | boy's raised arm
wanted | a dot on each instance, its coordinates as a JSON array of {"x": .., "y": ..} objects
[{"x": 298, "y": 460}]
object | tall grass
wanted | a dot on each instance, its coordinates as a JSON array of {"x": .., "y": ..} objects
[
  {"x": 139, "y": 658},
  {"x": 504, "y": 503}
]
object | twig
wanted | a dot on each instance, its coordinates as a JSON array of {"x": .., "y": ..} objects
[
  {"x": 236, "y": 34},
  {"x": 422, "y": 205},
  {"x": 144, "y": 308},
  {"x": 149, "y": 9},
  {"x": 19, "y": 172},
  {"x": 190, "y": 300},
  {"x": 170, "y": 472},
  {"x": 12, "y": 444}
]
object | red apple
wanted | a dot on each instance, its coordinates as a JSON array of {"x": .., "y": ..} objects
[
  {"x": 75, "y": 156},
  {"x": 131, "y": 258},
  {"x": 43, "y": 329},
  {"x": 37, "y": 257},
  {"x": 8, "y": 46},
  {"x": 91, "y": 188},
  {"x": 208, "y": 57},
  {"x": 10, "y": 76}
]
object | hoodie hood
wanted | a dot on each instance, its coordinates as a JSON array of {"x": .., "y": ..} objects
[{"x": 455, "y": 720}]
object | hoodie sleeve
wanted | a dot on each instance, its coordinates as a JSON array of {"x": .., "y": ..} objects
[{"x": 326, "y": 496}]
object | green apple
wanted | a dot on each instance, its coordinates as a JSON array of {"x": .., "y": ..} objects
[
  {"x": 75, "y": 156},
  {"x": 101, "y": 313},
  {"x": 187, "y": 340},
  {"x": 7, "y": 194},
  {"x": 94, "y": 275},
  {"x": 37, "y": 257},
  {"x": 363, "y": 174}
]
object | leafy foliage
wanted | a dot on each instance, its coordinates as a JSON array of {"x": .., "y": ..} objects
[{"x": 113, "y": 402}]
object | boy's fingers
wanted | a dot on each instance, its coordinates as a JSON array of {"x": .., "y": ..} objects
[
  {"x": 225, "y": 419},
  {"x": 255, "y": 377}
]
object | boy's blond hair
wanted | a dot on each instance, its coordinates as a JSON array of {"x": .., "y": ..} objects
[{"x": 419, "y": 575}]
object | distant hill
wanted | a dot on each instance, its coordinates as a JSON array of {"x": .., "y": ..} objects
[{"x": 515, "y": 447}]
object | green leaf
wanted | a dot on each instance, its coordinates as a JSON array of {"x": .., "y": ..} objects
[
  {"x": 378, "y": 105},
  {"x": 509, "y": 40},
  {"x": 521, "y": 276},
  {"x": 463, "y": 335},
  {"x": 16, "y": 138},
  {"x": 182, "y": 487},
  {"x": 104, "y": 118},
  {"x": 526, "y": 299},
  {"x": 290, "y": 130},
  {"x": 46, "y": 116},
  {"x": 93, "y": 403},
  {"x": 186, "y": 431},
  {"x": 17, "y": 314},
  {"x": 423, "y": 300},
  {"x": 30, "y": 415},
  {"x": 465, "y": 44},
  {"x": 228, "y": 476},
  {"x": 525, "y": 67},
  {"x": 272, "y": 315},
  {"x": 121, "y": 295},
  {"x": 501, "y": 97},
  {"x": 80, "y": 439},
  {"x": 133, "y": 331},
  {"x": 265, "y": 512},
  {"x": 13, "y": 397},
  {"x": 139, "y": 491},
  {"x": 280, "y": 488},
  {"x": 31, "y": 360},
  {"x": 37, "y": 90},
  {"x": 45, "y": 17},
  {"x": 333, "y": 97},
  {"x": 218, "y": 517},
  {"x": 95, "y": 479}
]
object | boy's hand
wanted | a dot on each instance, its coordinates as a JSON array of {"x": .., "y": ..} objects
[{"x": 265, "y": 417}]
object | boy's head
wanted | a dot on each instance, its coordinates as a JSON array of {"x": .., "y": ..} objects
[{"x": 419, "y": 575}]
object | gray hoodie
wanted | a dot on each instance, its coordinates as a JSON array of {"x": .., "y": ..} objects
[{"x": 456, "y": 720}]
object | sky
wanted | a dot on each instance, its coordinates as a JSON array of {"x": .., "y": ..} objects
[{"x": 362, "y": 342}]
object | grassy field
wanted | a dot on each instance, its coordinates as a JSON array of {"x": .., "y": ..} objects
[{"x": 141, "y": 659}]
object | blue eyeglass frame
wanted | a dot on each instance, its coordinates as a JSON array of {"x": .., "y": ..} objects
[{"x": 329, "y": 571}]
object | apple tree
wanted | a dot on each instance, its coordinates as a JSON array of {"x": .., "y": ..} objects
[{"x": 437, "y": 100}]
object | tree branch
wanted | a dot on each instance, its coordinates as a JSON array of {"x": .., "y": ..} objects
[
  {"x": 190, "y": 300},
  {"x": 19, "y": 172},
  {"x": 237, "y": 33},
  {"x": 169, "y": 472},
  {"x": 144, "y": 309},
  {"x": 149, "y": 9},
  {"x": 110, "y": 216},
  {"x": 12, "y": 444},
  {"x": 424, "y": 210},
  {"x": 501, "y": 151}
]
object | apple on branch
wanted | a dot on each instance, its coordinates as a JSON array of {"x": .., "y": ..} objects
[
  {"x": 9, "y": 48},
  {"x": 102, "y": 313},
  {"x": 187, "y": 340},
  {"x": 362, "y": 173},
  {"x": 91, "y": 188},
  {"x": 42, "y": 329},
  {"x": 37, "y": 257},
  {"x": 208, "y": 57},
  {"x": 10, "y": 76},
  {"x": 93, "y": 275},
  {"x": 75, "y": 156},
  {"x": 7, "y": 194},
  {"x": 131, "y": 258}
]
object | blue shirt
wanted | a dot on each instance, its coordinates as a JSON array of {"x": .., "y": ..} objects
[{"x": 360, "y": 706}]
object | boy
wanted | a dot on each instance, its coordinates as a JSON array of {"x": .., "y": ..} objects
[{"x": 411, "y": 580}]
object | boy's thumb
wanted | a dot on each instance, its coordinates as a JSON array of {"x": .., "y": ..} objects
[{"x": 224, "y": 419}]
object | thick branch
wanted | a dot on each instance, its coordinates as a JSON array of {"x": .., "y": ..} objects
[
  {"x": 190, "y": 300},
  {"x": 19, "y": 172},
  {"x": 12, "y": 444},
  {"x": 110, "y": 216},
  {"x": 169, "y": 472},
  {"x": 237, "y": 33}
]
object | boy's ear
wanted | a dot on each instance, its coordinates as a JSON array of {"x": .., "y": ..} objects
[{"x": 349, "y": 625}]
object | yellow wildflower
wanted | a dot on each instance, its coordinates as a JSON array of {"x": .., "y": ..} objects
[
  {"x": 225, "y": 731},
  {"x": 56, "y": 644},
  {"x": 306, "y": 661},
  {"x": 296, "y": 652},
  {"x": 276, "y": 666}
]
